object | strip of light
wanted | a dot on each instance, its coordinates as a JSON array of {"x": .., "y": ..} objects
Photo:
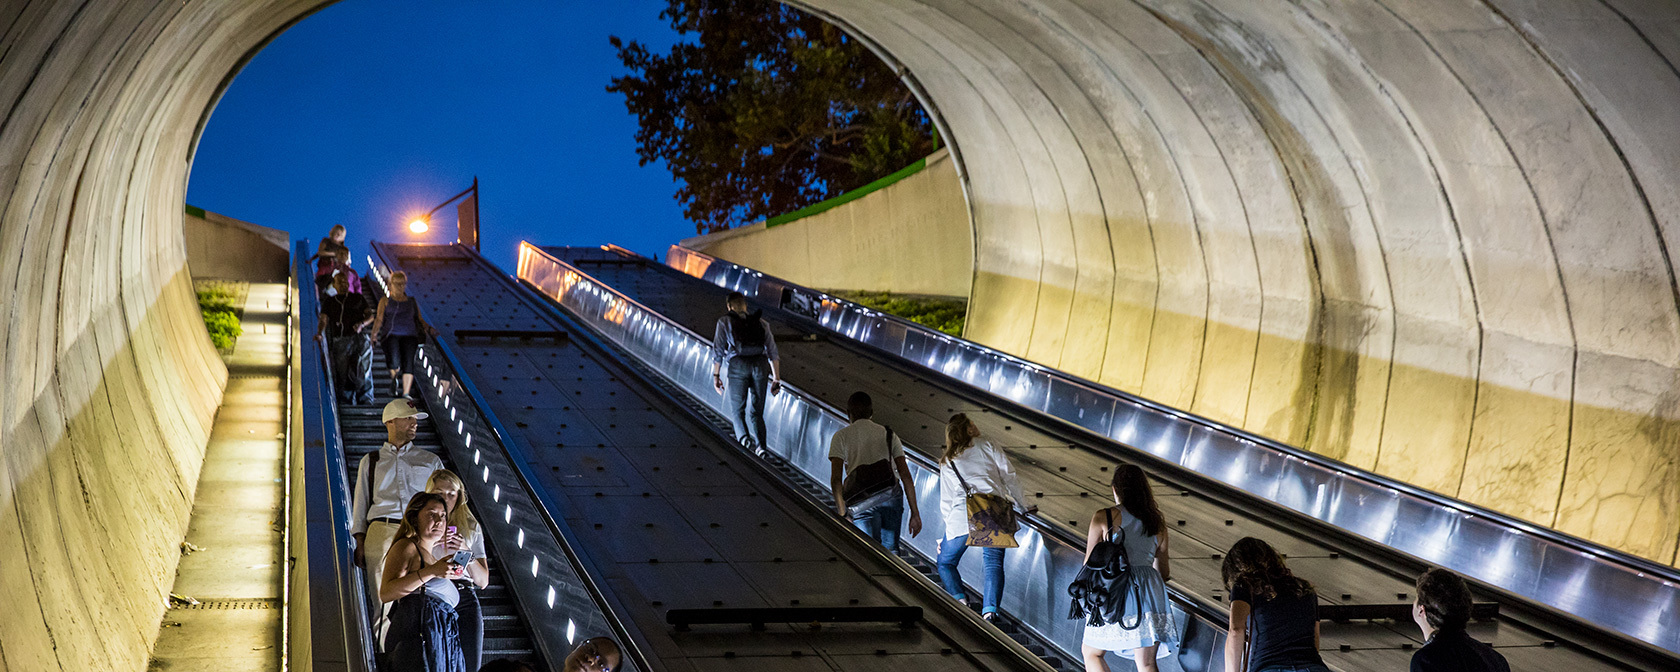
[
  {"x": 534, "y": 563},
  {"x": 522, "y": 537},
  {"x": 496, "y": 494},
  {"x": 551, "y": 600}
]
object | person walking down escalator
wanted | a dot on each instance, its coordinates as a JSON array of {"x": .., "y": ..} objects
[
  {"x": 398, "y": 325},
  {"x": 743, "y": 340},
  {"x": 345, "y": 317},
  {"x": 978, "y": 497},
  {"x": 423, "y": 635},
  {"x": 1121, "y": 592},
  {"x": 1442, "y": 612},
  {"x": 470, "y": 577}
]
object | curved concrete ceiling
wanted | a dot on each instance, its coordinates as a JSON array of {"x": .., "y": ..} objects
[{"x": 1426, "y": 236}]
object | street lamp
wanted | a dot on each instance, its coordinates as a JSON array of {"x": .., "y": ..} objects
[{"x": 466, "y": 222}]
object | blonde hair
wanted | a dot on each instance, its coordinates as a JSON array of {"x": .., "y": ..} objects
[
  {"x": 958, "y": 438},
  {"x": 462, "y": 518}
]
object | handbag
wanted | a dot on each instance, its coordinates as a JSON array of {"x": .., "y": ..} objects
[
  {"x": 873, "y": 484},
  {"x": 991, "y": 518},
  {"x": 1103, "y": 585}
]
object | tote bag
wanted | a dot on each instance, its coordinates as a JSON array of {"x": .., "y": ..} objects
[{"x": 991, "y": 518}]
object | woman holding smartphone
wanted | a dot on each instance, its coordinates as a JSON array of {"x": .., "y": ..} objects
[
  {"x": 423, "y": 636},
  {"x": 463, "y": 535}
]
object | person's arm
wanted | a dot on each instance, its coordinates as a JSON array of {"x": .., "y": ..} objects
[
  {"x": 479, "y": 571},
  {"x": 836, "y": 475},
  {"x": 775, "y": 358},
  {"x": 358, "y": 511},
  {"x": 420, "y": 319},
  {"x": 1236, "y": 638},
  {"x": 1094, "y": 532},
  {"x": 1162, "y": 562},
  {"x": 1011, "y": 484},
  {"x": 1315, "y": 633},
  {"x": 909, "y": 494},
  {"x": 378, "y": 317},
  {"x": 399, "y": 581},
  {"x": 367, "y": 318},
  {"x": 719, "y": 336}
]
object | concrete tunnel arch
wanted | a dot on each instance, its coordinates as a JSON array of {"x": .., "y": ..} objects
[{"x": 1429, "y": 237}]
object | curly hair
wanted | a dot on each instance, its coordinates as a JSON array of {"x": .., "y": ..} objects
[
  {"x": 1256, "y": 567},
  {"x": 1445, "y": 599}
]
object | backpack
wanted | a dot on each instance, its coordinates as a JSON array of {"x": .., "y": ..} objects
[
  {"x": 749, "y": 332},
  {"x": 1105, "y": 583},
  {"x": 874, "y": 484}
]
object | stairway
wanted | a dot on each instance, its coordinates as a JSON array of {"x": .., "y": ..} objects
[{"x": 505, "y": 632}]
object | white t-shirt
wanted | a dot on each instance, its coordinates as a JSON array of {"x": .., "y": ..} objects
[
  {"x": 863, "y": 442},
  {"x": 986, "y": 470}
]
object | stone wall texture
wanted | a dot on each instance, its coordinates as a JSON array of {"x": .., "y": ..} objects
[
  {"x": 1426, "y": 237},
  {"x": 110, "y": 382},
  {"x": 914, "y": 233}
]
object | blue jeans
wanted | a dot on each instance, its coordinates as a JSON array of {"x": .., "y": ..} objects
[
  {"x": 951, "y": 551},
  {"x": 749, "y": 376},
  {"x": 882, "y": 522}
]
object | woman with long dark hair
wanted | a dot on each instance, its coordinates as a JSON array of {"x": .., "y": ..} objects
[
  {"x": 972, "y": 465},
  {"x": 423, "y": 635},
  {"x": 1135, "y": 524},
  {"x": 1274, "y": 614}
]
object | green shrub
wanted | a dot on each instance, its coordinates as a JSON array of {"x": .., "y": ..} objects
[
  {"x": 223, "y": 326},
  {"x": 946, "y": 315},
  {"x": 221, "y": 302}
]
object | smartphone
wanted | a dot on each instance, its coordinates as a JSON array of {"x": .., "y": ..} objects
[{"x": 462, "y": 557}]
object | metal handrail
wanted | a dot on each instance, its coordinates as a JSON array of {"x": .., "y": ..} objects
[
  {"x": 340, "y": 636},
  {"x": 631, "y": 643},
  {"x": 1593, "y": 564},
  {"x": 1209, "y": 613}
]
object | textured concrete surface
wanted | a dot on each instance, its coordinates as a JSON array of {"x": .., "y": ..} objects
[
  {"x": 222, "y": 247},
  {"x": 914, "y": 233},
  {"x": 1426, "y": 236},
  {"x": 236, "y": 516}
]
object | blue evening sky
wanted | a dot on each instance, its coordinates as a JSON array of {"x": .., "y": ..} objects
[{"x": 372, "y": 110}]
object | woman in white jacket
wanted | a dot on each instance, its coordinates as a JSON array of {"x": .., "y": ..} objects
[{"x": 985, "y": 470}]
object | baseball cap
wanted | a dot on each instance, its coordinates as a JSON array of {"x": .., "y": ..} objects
[{"x": 403, "y": 408}]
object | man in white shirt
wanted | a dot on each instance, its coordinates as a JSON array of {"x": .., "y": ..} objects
[
  {"x": 878, "y": 452},
  {"x": 397, "y": 472}
]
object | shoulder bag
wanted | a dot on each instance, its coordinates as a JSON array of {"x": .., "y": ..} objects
[
  {"x": 873, "y": 484},
  {"x": 991, "y": 518}
]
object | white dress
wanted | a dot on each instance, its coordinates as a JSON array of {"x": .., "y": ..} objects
[{"x": 1152, "y": 611}]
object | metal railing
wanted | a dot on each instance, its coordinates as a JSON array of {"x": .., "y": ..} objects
[
  {"x": 800, "y": 425},
  {"x": 554, "y": 585},
  {"x": 1601, "y": 586},
  {"x": 339, "y": 637}
]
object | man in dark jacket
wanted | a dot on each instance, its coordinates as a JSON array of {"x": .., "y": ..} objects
[{"x": 344, "y": 322}]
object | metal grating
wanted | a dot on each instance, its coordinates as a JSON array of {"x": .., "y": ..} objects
[{"x": 234, "y": 603}]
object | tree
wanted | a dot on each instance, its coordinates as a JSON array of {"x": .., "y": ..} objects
[{"x": 763, "y": 109}]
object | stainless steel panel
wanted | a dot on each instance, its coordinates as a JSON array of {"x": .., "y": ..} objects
[
  {"x": 800, "y": 426},
  {"x": 1614, "y": 590}
]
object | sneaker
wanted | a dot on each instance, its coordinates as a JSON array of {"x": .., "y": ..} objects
[{"x": 990, "y": 616}]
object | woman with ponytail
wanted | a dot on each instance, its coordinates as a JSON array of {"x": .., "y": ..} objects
[{"x": 1274, "y": 614}]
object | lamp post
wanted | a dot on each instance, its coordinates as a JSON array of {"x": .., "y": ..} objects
[{"x": 466, "y": 228}]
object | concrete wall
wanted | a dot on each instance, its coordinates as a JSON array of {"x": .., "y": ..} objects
[
  {"x": 225, "y": 248},
  {"x": 109, "y": 380},
  {"x": 912, "y": 237},
  {"x": 1427, "y": 237}
]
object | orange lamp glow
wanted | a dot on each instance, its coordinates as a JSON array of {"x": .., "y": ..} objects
[{"x": 418, "y": 226}]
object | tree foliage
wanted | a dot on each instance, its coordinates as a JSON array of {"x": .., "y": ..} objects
[{"x": 761, "y": 109}]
